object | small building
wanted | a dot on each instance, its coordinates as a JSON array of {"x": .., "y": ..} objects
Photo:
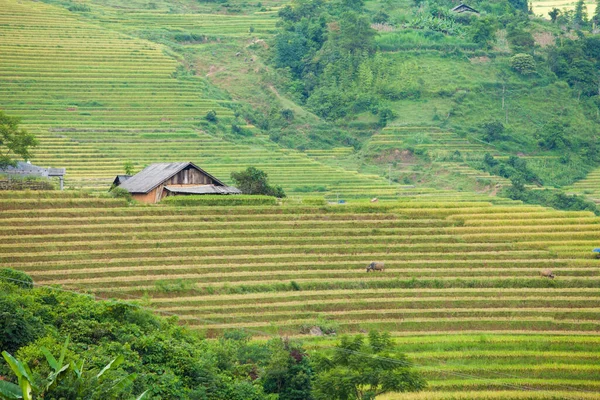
[
  {"x": 160, "y": 180},
  {"x": 461, "y": 8},
  {"x": 28, "y": 169}
]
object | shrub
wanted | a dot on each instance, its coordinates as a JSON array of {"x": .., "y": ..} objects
[
  {"x": 523, "y": 64},
  {"x": 17, "y": 278},
  {"x": 79, "y": 8},
  {"x": 211, "y": 116},
  {"x": 493, "y": 130},
  {"x": 255, "y": 181},
  {"x": 120, "y": 193},
  {"x": 287, "y": 114}
]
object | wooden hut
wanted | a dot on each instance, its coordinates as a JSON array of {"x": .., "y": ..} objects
[
  {"x": 461, "y": 8},
  {"x": 160, "y": 180}
]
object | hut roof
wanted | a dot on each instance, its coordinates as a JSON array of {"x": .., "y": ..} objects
[
  {"x": 464, "y": 8},
  {"x": 155, "y": 174},
  {"x": 25, "y": 168},
  {"x": 204, "y": 189},
  {"x": 119, "y": 179}
]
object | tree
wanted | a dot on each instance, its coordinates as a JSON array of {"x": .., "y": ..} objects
[
  {"x": 596, "y": 17},
  {"x": 128, "y": 167},
  {"x": 520, "y": 5},
  {"x": 362, "y": 371},
  {"x": 493, "y": 130},
  {"x": 523, "y": 64},
  {"x": 554, "y": 13},
  {"x": 553, "y": 135},
  {"x": 483, "y": 32},
  {"x": 14, "y": 141},
  {"x": 211, "y": 116},
  {"x": 355, "y": 33},
  {"x": 580, "y": 18},
  {"x": 289, "y": 372},
  {"x": 255, "y": 181},
  {"x": 520, "y": 40}
]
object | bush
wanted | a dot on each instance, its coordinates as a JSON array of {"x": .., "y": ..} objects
[
  {"x": 79, "y": 8},
  {"x": 211, "y": 116},
  {"x": 523, "y": 64},
  {"x": 493, "y": 130},
  {"x": 17, "y": 278},
  {"x": 255, "y": 181},
  {"x": 220, "y": 200},
  {"x": 120, "y": 193},
  {"x": 551, "y": 198}
]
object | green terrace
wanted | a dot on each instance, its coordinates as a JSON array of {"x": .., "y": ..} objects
[
  {"x": 458, "y": 267},
  {"x": 589, "y": 187},
  {"x": 97, "y": 98}
]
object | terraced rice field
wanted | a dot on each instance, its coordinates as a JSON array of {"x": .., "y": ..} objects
[
  {"x": 97, "y": 98},
  {"x": 588, "y": 187},
  {"x": 461, "y": 290},
  {"x": 213, "y": 25},
  {"x": 542, "y": 7}
]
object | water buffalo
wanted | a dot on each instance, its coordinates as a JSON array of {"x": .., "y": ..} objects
[
  {"x": 375, "y": 266},
  {"x": 546, "y": 273}
]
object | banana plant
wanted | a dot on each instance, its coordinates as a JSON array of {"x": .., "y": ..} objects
[
  {"x": 24, "y": 389},
  {"x": 87, "y": 384}
]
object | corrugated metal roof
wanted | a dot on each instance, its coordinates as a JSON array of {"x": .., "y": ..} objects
[
  {"x": 155, "y": 174},
  {"x": 56, "y": 171},
  {"x": 204, "y": 189},
  {"x": 119, "y": 179},
  {"x": 463, "y": 7},
  {"x": 24, "y": 168}
]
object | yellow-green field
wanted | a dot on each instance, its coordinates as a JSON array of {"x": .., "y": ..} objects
[
  {"x": 542, "y": 7},
  {"x": 589, "y": 187},
  {"x": 461, "y": 291}
]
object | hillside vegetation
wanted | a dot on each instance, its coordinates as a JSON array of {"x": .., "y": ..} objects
[
  {"x": 433, "y": 113},
  {"x": 320, "y": 77}
]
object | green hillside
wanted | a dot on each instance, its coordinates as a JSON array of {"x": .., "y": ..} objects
[
  {"x": 97, "y": 98},
  {"x": 439, "y": 116}
]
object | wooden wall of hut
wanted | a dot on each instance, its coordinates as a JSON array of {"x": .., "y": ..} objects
[{"x": 189, "y": 176}]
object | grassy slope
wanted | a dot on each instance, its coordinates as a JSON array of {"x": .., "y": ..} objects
[
  {"x": 225, "y": 54},
  {"x": 108, "y": 98}
]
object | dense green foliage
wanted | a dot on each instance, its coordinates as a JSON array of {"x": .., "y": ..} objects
[
  {"x": 349, "y": 375},
  {"x": 118, "y": 349},
  {"x": 15, "y": 142},
  {"x": 550, "y": 198},
  {"x": 254, "y": 181},
  {"x": 513, "y": 168},
  {"x": 171, "y": 361}
]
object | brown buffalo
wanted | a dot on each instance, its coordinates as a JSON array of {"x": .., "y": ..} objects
[
  {"x": 375, "y": 266},
  {"x": 546, "y": 273}
]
